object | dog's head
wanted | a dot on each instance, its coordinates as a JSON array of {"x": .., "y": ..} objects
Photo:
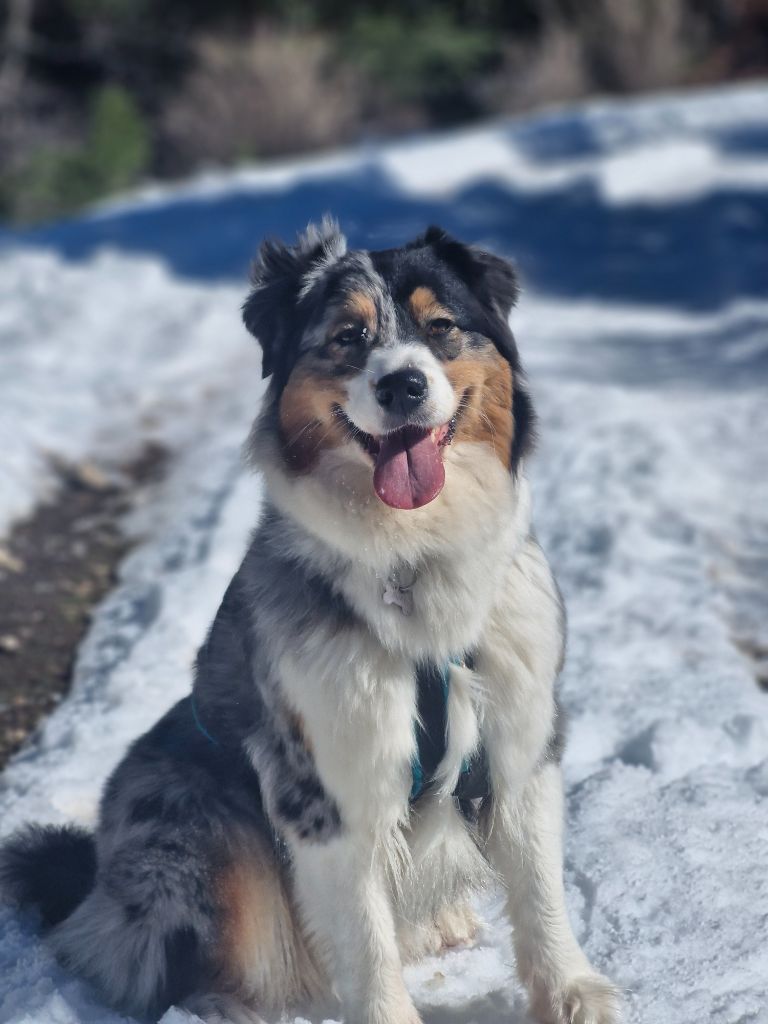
[{"x": 390, "y": 358}]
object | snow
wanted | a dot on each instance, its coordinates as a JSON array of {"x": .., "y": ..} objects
[
  {"x": 100, "y": 359},
  {"x": 644, "y": 327}
]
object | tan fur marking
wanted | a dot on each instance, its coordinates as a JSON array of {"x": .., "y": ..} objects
[
  {"x": 425, "y": 307},
  {"x": 260, "y": 948},
  {"x": 307, "y": 422},
  {"x": 486, "y": 380},
  {"x": 361, "y": 306},
  {"x": 249, "y": 900}
]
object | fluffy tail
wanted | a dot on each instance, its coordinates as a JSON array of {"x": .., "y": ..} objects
[{"x": 48, "y": 868}]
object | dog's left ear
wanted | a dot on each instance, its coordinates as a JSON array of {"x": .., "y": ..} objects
[
  {"x": 282, "y": 276},
  {"x": 497, "y": 279},
  {"x": 493, "y": 282},
  {"x": 491, "y": 279}
]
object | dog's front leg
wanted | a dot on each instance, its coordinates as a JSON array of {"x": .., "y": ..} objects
[
  {"x": 525, "y": 845},
  {"x": 344, "y": 898},
  {"x": 357, "y": 727},
  {"x": 518, "y": 660}
]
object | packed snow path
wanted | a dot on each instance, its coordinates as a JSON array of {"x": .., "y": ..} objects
[{"x": 641, "y": 231}]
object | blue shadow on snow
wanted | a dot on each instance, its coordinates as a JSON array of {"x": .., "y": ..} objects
[{"x": 696, "y": 254}]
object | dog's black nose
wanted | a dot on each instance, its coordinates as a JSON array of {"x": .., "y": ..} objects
[{"x": 402, "y": 391}]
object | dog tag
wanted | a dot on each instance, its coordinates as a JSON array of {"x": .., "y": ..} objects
[{"x": 398, "y": 589}]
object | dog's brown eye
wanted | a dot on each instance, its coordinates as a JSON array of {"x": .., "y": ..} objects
[
  {"x": 351, "y": 334},
  {"x": 439, "y": 326}
]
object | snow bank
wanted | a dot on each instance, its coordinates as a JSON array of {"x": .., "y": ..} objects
[
  {"x": 661, "y": 201},
  {"x": 97, "y": 360}
]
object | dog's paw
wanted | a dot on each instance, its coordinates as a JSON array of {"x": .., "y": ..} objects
[
  {"x": 219, "y": 1008},
  {"x": 453, "y": 926},
  {"x": 401, "y": 1012},
  {"x": 457, "y": 926},
  {"x": 587, "y": 999},
  {"x": 415, "y": 941},
  {"x": 410, "y": 1016}
]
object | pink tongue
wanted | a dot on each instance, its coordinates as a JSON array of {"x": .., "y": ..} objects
[{"x": 409, "y": 469}]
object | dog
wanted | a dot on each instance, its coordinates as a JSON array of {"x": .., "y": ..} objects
[{"x": 373, "y": 732}]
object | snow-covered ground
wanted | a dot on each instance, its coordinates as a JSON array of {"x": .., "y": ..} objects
[{"x": 641, "y": 230}]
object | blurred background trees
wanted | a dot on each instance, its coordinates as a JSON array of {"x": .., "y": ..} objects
[{"x": 97, "y": 94}]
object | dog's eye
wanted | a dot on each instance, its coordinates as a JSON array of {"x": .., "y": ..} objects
[
  {"x": 351, "y": 334},
  {"x": 439, "y": 326}
]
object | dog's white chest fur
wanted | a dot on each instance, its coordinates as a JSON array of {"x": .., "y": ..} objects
[{"x": 428, "y": 592}]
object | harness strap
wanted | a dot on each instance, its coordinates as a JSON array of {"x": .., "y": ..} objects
[
  {"x": 199, "y": 724},
  {"x": 433, "y": 691}
]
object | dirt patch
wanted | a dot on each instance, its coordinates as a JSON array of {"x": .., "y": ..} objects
[{"x": 54, "y": 568}]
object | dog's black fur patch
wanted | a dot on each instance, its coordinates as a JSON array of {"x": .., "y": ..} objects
[
  {"x": 185, "y": 966},
  {"x": 50, "y": 868}
]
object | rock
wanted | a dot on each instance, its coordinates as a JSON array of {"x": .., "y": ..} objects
[
  {"x": 10, "y": 562},
  {"x": 88, "y": 475},
  {"x": 9, "y": 644}
]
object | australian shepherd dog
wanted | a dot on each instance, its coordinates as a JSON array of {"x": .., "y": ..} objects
[{"x": 373, "y": 732}]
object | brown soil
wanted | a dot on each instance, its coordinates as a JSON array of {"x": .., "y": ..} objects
[{"x": 54, "y": 568}]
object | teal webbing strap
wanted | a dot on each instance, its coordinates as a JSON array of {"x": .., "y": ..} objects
[
  {"x": 200, "y": 725},
  {"x": 417, "y": 772}
]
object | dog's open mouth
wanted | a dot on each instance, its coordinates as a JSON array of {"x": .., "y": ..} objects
[{"x": 408, "y": 469}]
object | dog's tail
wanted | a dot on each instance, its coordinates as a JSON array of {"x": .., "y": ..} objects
[{"x": 48, "y": 868}]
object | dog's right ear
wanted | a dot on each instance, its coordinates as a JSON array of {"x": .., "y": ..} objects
[{"x": 282, "y": 276}]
